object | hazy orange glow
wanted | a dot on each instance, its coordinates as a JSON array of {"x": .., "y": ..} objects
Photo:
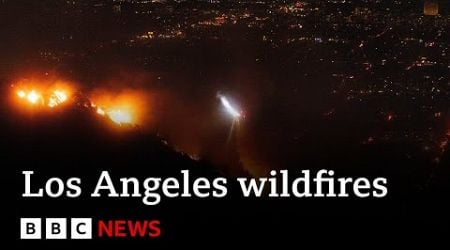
[
  {"x": 124, "y": 108},
  {"x": 118, "y": 113},
  {"x": 120, "y": 116}
]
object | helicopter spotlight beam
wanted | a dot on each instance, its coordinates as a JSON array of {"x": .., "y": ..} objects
[{"x": 229, "y": 108}]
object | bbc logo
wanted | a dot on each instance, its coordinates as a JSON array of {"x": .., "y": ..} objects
[{"x": 55, "y": 228}]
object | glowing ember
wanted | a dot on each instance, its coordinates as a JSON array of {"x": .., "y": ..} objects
[
  {"x": 57, "y": 98},
  {"x": 443, "y": 145},
  {"x": 33, "y": 97},
  {"x": 389, "y": 118},
  {"x": 100, "y": 111}
]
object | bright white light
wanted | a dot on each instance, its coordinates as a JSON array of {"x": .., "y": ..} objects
[
  {"x": 57, "y": 98},
  {"x": 230, "y": 109},
  {"x": 21, "y": 93},
  {"x": 33, "y": 97},
  {"x": 120, "y": 116}
]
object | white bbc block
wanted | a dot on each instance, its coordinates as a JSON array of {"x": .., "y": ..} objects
[
  {"x": 30, "y": 228},
  {"x": 81, "y": 228},
  {"x": 55, "y": 228}
]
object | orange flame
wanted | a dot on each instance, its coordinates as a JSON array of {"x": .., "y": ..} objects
[
  {"x": 124, "y": 108},
  {"x": 58, "y": 97},
  {"x": 33, "y": 97},
  {"x": 120, "y": 116},
  {"x": 42, "y": 93}
]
